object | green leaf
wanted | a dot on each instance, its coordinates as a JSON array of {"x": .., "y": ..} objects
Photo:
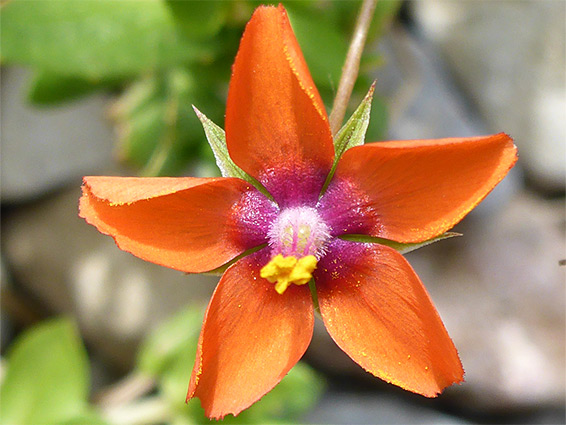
[
  {"x": 139, "y": 116},
  {"x": 174, "y": 382},
  {"x": 157, "y": 132},
  {"x": 173, "y": 339},
  {"x": 88, "y": 417},
  {"x": 403, "y": 248},
  {"x": 47, "y": 89},
  {"x": 168, "y": 354},
  {"x": 298, "y": 391},
  {"x": 199, "y": 19},
  {"x": 47, "y": 377},
  {"x": 94, "y": 39}
]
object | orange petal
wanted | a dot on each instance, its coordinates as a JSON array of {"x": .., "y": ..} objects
[
  {"x": 276, "y": 125},
  {"x": 377, "y": 310},
  {"x": 188, "y": 224},
  {"x": 411, "y": 191},
  {"x": 251, "y": 338}
]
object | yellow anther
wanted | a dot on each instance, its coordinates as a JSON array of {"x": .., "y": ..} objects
[{"x": 284, "y": 271}]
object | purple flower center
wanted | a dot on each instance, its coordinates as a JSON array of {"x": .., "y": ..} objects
[{"x": 298, "y": 232}]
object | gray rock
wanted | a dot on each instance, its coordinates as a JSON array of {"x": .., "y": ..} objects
[
  {"x": 510, "y": 57},
  {"x": 423, "y": 101},
  {"x": 44, "y": 148},
  {"x": 349, "y": 409}
]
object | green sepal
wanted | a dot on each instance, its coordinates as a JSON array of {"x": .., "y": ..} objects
[
  {"x": 352, "y": 134},
  {"x": 314, "y": 296},
  {"x": 217, "y": 139},
  {"x": 219, "y": 271},
  {"x": 402, "y": 248}
]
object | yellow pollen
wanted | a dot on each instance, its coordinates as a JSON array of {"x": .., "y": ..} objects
[{"x": 288, "y": 270}]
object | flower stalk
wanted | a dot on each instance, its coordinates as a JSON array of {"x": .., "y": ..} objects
[{"x": 351, "y": 65}]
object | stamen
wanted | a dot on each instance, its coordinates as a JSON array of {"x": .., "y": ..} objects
[
  {"x": 298, "y": 232},
  {"x": 288, "y": 270}
]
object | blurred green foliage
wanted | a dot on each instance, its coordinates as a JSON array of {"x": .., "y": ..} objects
[
  {"x": 46, "y": 378},
  {"x": 161, "y": 56}
]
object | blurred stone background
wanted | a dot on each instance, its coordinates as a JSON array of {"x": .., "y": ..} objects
[{"x": 453, "y": 68}]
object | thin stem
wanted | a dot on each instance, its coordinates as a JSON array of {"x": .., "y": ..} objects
[
  {"x": 351, "y": 65},
  {"x": 146, "y": 411},
  {"x": 130, "y": 388}
]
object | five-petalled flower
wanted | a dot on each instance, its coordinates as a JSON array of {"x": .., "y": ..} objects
[{"x": 296, "y": 229}]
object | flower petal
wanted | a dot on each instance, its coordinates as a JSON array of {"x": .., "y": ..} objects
[
  {"x": 251, "y": 338},
  {"x": 377, "y": 310},
  {"x": 412, "y": 191},
  {"x": 188, "y": 224},
  {"x": 276, "y": 125}
]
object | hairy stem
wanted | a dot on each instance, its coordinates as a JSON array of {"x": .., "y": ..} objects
[{"x": 351, "y": 65}]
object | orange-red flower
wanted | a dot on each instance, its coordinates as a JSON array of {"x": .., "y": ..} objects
[{"x": 260, "y": 319}]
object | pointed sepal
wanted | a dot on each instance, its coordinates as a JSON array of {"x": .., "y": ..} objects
[
  {"x": 217, "y": 139},
  {"x": 402, "y": 248},
  {"x": 353, "y": 133}
]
